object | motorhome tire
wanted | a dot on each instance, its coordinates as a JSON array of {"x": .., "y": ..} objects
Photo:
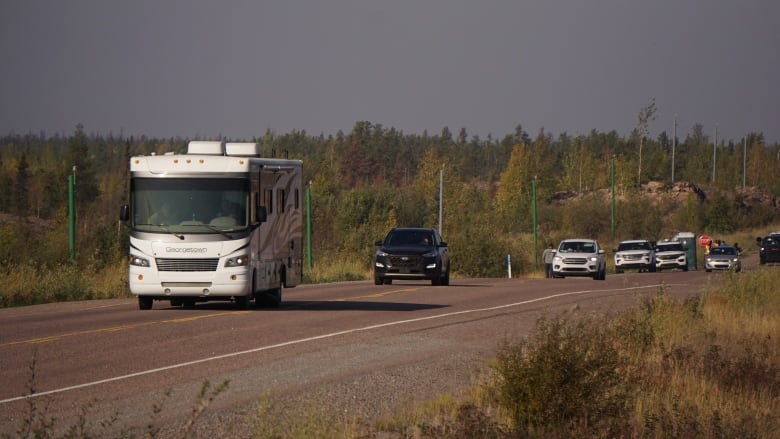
[{"x": 145, "y": 302}]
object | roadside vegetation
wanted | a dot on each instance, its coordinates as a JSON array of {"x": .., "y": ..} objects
[{"x": 374, "y": 178}]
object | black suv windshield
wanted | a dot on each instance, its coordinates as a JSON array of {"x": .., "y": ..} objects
[
  {"x": 410, "y": 237},
  {"x": 770, "y": 241}
]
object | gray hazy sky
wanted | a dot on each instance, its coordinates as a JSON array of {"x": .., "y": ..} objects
[{"x": 234, "y": 68}]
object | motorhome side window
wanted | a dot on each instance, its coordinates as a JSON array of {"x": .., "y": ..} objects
[
  {"x": 280, "y": 200},
  {"x": 269, "y": 201}
]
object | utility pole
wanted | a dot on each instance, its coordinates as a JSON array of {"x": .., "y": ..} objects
[{"x": 714, "y": 148}]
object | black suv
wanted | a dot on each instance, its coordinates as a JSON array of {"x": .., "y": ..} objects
[
  {"x": 412, "y": 253},
  {"x": 769, "y": 248}
]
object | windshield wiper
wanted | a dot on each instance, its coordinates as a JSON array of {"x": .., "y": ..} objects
[
  {"x": 212, "y": 228},
  {"x": 164, "y": 229}
]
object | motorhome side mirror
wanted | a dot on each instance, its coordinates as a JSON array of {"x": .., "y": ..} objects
[
  {"x": 261, "y": 214},
  {"x": 124, "y": 212}
]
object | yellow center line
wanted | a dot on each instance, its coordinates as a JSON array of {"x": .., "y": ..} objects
[
  {"x": 51, "y": 338},
  {"x": 374, "y": 296}
]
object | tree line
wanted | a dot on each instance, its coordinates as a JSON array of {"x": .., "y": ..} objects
[{"x": 376, "y": 177}]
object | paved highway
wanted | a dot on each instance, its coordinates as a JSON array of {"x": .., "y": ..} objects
[{"x": 353, "y": 341}]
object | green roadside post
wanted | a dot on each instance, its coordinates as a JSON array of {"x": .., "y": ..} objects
[
  {"x": 613, "y": 197},
  {"x": 308, "y": 226},
  {"x": 533, "y": 197},
  {"x": 71, "y": 220}
]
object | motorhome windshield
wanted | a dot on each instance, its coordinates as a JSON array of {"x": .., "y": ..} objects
[{"x": 191, "y": 205}]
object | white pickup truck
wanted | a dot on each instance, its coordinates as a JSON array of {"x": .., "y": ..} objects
[{"x": 580, "y": 257}]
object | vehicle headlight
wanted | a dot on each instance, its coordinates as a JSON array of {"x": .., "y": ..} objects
[
  {"x": 138, "y": 261},
  {"x": 593, "y": 259},
  {"x": 557, "y": 258},
  {"x": 237, "y": 261},
  {"x": 735, "y": 260},
  {"x": 381, "y": 254},
  {"x": 429, "y": 255}
]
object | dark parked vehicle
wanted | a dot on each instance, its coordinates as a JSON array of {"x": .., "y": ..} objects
[
  {"x": 769, "y": 248},
  {"x": 412, "y": 253}
]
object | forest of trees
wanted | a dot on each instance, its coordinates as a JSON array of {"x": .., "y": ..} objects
[{"x": 374, "y": 177}]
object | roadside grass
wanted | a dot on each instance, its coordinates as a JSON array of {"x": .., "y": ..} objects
[
  {"x": 28, "y": 284},
  {"x": 337, "y": 270}
]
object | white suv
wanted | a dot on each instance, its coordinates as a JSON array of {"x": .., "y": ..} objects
[
  {"x": 638, "y": 254},
  {"x": 580, "y": 257},
  {"x": 670, "y": 254}
]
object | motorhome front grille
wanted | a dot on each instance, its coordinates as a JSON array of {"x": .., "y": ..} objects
[{"x": 164, "y": 264}]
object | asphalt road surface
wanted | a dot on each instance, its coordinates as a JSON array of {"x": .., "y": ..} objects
[{"x": 370, "y": 349}]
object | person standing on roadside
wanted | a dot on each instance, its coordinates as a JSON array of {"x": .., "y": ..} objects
[{"x": 547, "y": 257}]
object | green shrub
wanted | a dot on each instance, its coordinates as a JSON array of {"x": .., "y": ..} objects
[{"x": 564, "y": 375}]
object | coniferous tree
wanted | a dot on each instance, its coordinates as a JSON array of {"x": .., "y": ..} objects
[
  {"x": 5, "y": 182},
  {"x": 21, "y": 192},
  {"x": 86, "y": 187}
]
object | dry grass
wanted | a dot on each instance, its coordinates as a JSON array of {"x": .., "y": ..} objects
[
  {"x": 337, "y": 270},
  {"x": 27, "y": 284}
]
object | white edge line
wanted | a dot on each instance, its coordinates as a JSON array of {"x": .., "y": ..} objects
[{"x": 308, "y": 339}]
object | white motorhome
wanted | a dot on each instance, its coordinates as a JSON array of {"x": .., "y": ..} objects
[{"x": 217, "y": 223}]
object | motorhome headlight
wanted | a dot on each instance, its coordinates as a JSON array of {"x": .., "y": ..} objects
[
  {"x": 237, "y": 261},
  {"x": 138, "y": 261}
]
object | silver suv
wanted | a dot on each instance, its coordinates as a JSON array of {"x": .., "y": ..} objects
[
  {"x": 580, "y": 257},
  {"x": 670, "y": 254},
  {"x": 638, "y": 254}
]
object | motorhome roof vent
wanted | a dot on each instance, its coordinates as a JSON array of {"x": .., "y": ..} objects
[
  {"x": 242, "y": 149},
  {"x": 205, "y": 147}
]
